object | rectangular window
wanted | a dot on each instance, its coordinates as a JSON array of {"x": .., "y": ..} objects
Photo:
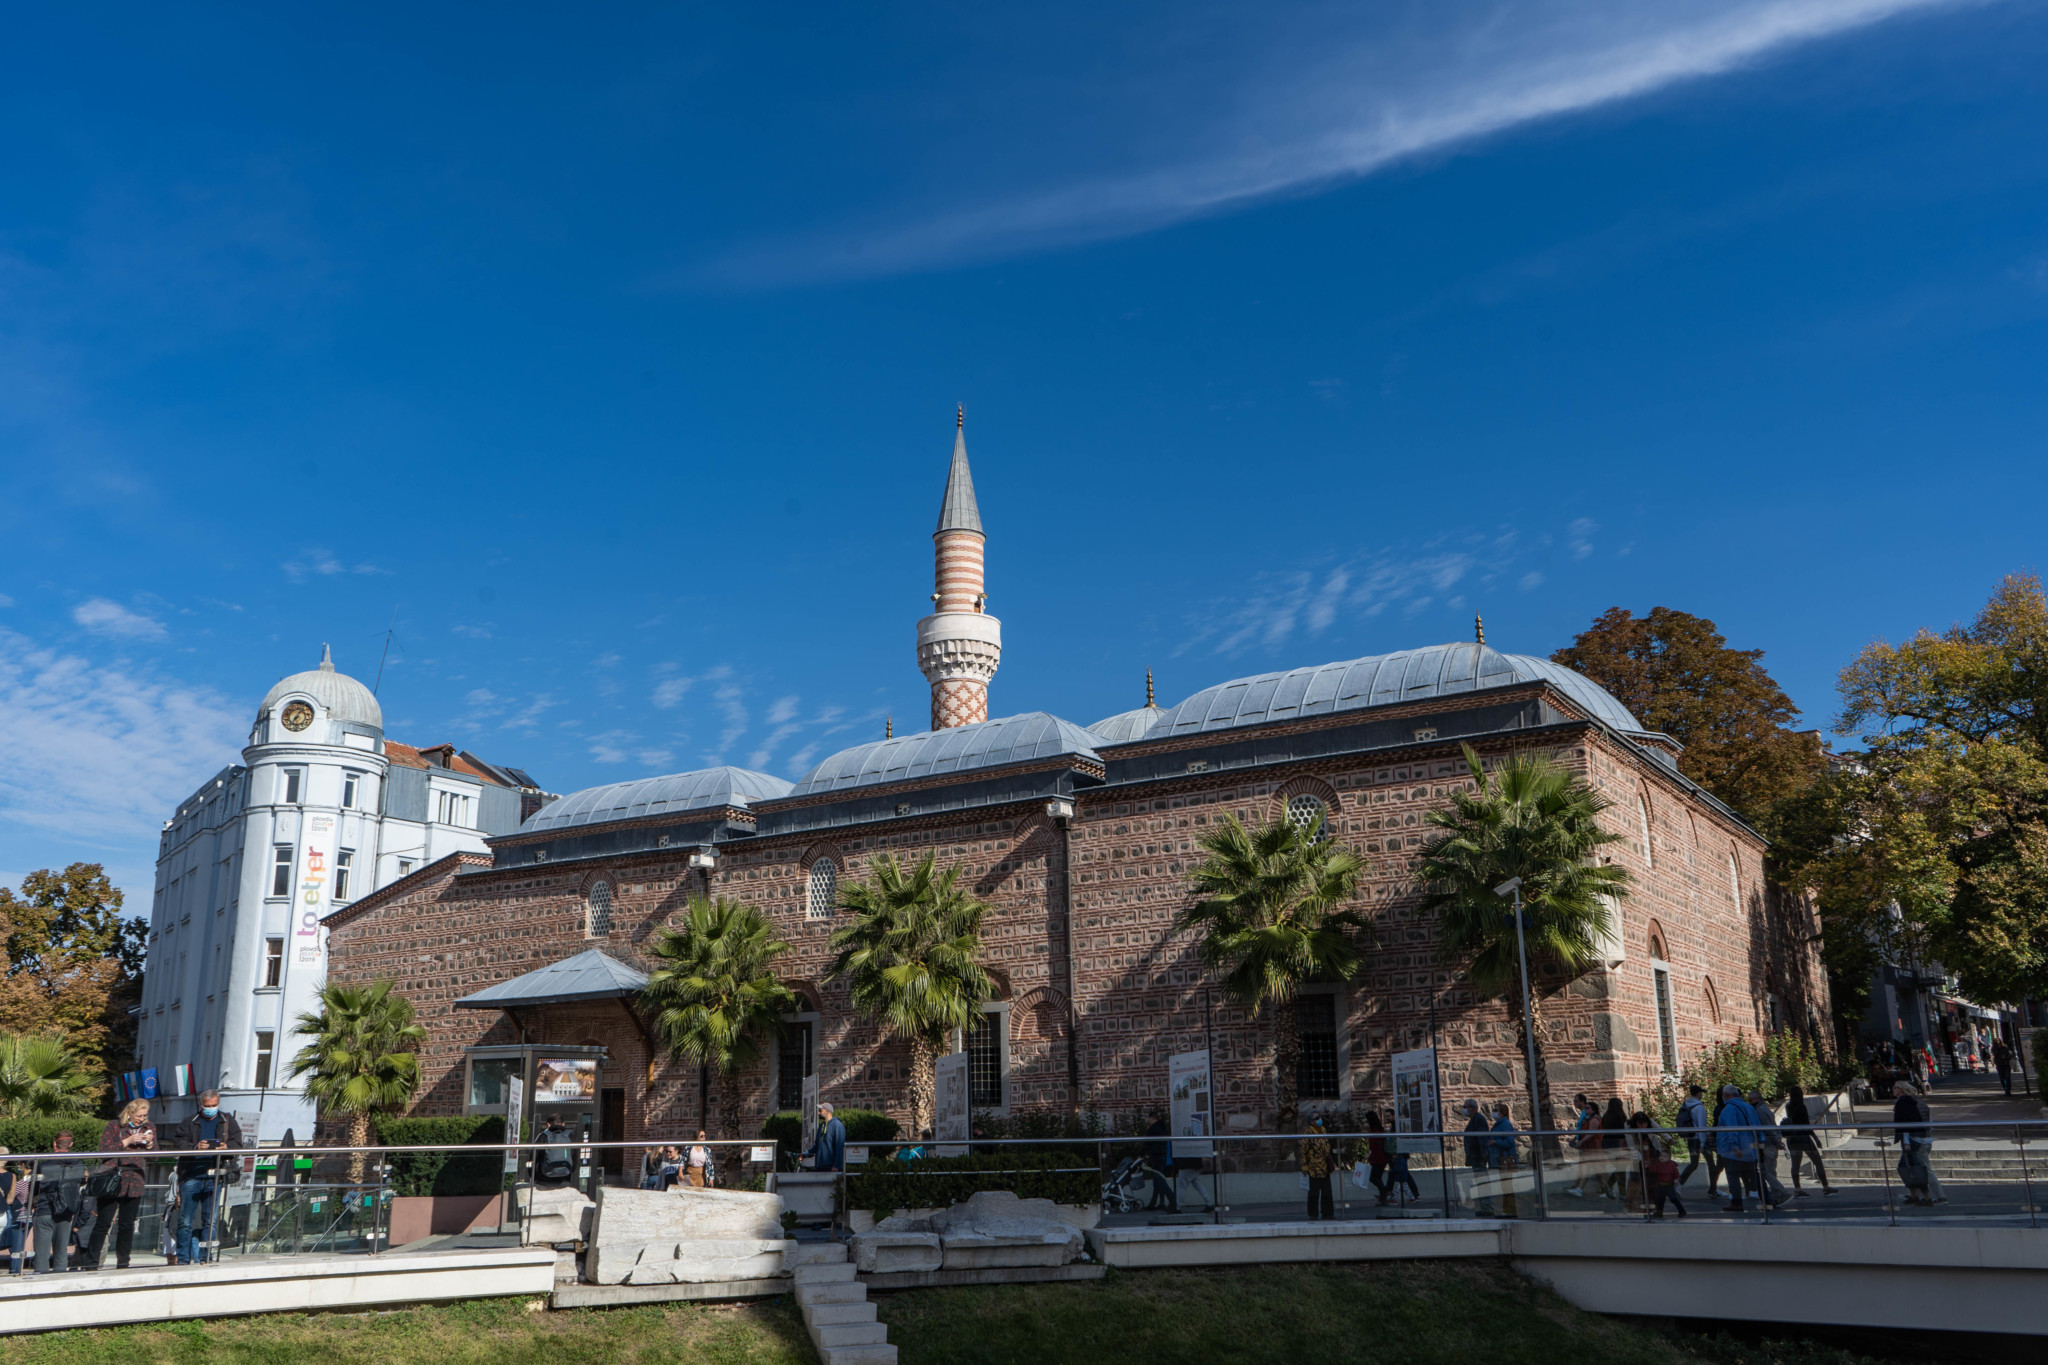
[
  {"x": 266, "y": 1046},
  {"x": 281, "y": 870},
  {"x": 405, "y": 867},
  {"x": 1667, "y": 1029},
  {"x": 793, "y": 1064},
  {"x": 344, "y": 863},
  {"x": 350, "y": 784},
  {"x": 273, "y": 963},
  {"x": 985, "y": 1061},
  {"x": 1315, "y": 1071},
  {"x": 490, "y": 1081},
  {"x": 294, "y": 778}
]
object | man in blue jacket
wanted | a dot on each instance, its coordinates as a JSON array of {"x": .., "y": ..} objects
[
  {"x": 1735, "y": 1139},
  {"x": 828, "y": 1149}
]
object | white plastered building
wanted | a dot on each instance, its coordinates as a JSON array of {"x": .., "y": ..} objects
[{"x": 321, "y": 810}]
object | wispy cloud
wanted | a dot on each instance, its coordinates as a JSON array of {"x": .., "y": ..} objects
[
  {"x": 318, "y": 563},
  {"x": 104, "y": 617},
  {"x": 479, "y": 631},
  {"x": 1316, "y": 105}
]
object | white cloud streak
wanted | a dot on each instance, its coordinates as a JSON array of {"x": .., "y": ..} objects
[
  {"x": 1340, "y": 98},
  {"x": 103, "y": 617}
]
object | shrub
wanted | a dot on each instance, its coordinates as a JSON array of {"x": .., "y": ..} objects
[
  {"x": 1774, "y": 1065},
  {"x": 884, "y": 1187},
  {"x": 443, "y": 1173},
  {"x": 37, "y": 1134},
  {"x": 862, "y": 1125}
]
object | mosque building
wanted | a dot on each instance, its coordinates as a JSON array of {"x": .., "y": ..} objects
[
  {"x": 525, "y": 959},
  {"x": 321, "y": 812}
]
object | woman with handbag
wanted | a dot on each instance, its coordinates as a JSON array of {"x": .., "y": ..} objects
[
  {"x": 117, "y": 1185},
  {"x": 13, "y": 1213}
]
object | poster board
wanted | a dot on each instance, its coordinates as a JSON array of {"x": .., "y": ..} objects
[
  {"x": 1417, "y": 1108},
  {"x": 810, "y": 1115},
  {"x": 952, "y": 1114},
  {"x": 315, "y": 873},
  {"x": 1192, "y": 1114},
  {"x": 572, "y": 1078},
  {"x": 515, "y": 1112}
]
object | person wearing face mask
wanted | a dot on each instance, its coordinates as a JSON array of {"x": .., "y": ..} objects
[{"x": 209, "y": 1130}]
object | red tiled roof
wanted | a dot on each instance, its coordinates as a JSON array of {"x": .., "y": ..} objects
[{"x": 405, "y": 756}]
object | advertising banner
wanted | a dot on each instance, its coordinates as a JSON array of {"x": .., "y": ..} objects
[
  {"x": 515, "y": 1114},
  {"x": 1192, "y": 1116},
  {"x": 1415, "y": 1099},
  {"x": 316, "y": 879},
  {"x": 569, "y": 1079},
  {"x": 952, "y": 1116}
]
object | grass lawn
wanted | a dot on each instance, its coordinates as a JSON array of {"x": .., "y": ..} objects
[
  {"x": 1387, "y": 1313},
  {"x": 492, "y": 1332}
]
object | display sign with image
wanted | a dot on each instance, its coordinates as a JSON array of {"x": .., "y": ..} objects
[
  {"x": 952, "y": 1119},
  {"x": 515, "y": 1107},
  {"x": 571, "y": 1079},
  {"x": 1190, "y": 1112},
  {"x": 1415, "y": 1099}
]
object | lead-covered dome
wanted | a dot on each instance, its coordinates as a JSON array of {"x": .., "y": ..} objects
[
  {"x": 703, "y": 789},
  {"x": 339, "y": 695},
  {"x": 1382, "y": 680},
  {"x": 957, "y": 749}
]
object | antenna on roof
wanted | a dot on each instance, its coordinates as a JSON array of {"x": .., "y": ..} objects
[
  {"x": 1479, "y": 627},
  {"x": 387, "y": 650},
  {"x": 1148, "y": 689}
]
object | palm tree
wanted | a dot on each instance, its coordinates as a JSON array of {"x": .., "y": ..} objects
[
  {"x": 715, "y": 997},
  {"x": 361, "y": 1057},
  {"x": 1271, "y": 912},
  {"x": 41, "y": 1076},
  {"x": 1533, "y": 819},
  {"x": 908, "y": 959}
]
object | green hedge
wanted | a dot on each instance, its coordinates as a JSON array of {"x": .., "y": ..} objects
[
  {"x": 862, "y": 1125},
  {"x": 40, "y": 1134},
  {"x": 883, "y": 1187},
  {"x": 443, "y": 1173}
]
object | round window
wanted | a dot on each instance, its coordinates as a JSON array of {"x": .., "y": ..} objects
[{"x": 1307, "y": 812}]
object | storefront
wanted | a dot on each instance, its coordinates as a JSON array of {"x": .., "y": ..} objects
[{"x": 564, "y": 1075}]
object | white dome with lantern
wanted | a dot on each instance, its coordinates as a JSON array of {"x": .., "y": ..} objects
[{"x": 342, "y": 698}]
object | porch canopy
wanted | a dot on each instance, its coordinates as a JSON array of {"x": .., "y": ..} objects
[{"x": 589, "y": 975}]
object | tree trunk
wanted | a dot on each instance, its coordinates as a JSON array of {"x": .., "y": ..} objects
[
  {"x": 1287, "y": 1064},
  {"x": 358, "y": 1136},
  {"x": 703, "y": 1095},
  {"x": 924, "y": 1086},
  {"x": 1544, "y": 1117}
]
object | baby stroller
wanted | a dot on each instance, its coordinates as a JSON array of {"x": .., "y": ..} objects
[{"x": 1127, "y": 1187}]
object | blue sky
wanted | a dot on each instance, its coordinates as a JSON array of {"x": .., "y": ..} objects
[{"x": 614, "y": 358}]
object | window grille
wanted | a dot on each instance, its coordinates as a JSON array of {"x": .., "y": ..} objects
[
  {"x": 824, "y": 890},
  {"x": 1315, "y": 1072},
  {"x": 1307, "y": 812},
  {"x": 598, "y": 920},
  {"x": 1734, "y": 883},
  {"x": 985, "y": 1061},
  {"x": 793, "y": 1064},
  {"x": 1667, "y": 1029},
  {"x": 1643, "y": 823}
]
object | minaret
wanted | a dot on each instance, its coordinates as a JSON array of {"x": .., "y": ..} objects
[{"x": 959, "y": 644}]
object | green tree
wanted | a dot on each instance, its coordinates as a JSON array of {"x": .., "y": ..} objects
[
  {"x": 71, "y": 960},
  {"x": 1678, "y": 675},
  {"x": 41, "y": 1075},
  {"x": 1272, "y": 913},
  {"x": 714, "y": 995},
  {"x": 1535, "y": 819},
  {"x": 908, "y": 959},
  {"x": 362, "y": 1056}
]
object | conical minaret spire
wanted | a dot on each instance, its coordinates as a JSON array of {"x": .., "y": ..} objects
[{"x": 959, "y": 645}]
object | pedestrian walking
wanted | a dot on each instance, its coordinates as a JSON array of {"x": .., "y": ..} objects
[
  {"x": 14, "y": 1212},
  {"x": 1504, "y": 1154},
  {"x": 1477, "y": 1163},
  {"x": 1693, "y": 1124},
  {"x": 1769, "y": 1144},
  {"x": 697, "y": 1170},
  {"x": 58, "y": 1186},
  {"x": 1159, "y": 1165},
  {"x": 1397, "y": 1169},
  {"x": 1660, "y": 1172},
  {"x": 1614, "y": 1147},
  {"x": 1735, "y": 1140},
  {"x": 1916, "y": 1147},
  {"x": 1586, "y": 1140},
  {"x": 1315, "y": 1171},
  {"x": 1803, "y": 1142},
  {"x": 1377, "y": 1158},
  {"x": 828, "y": 1149},
  {"x": 2001, "y": 1058},
  {"x": 130, "y": 1134}
]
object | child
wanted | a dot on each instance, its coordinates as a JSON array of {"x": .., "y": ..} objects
[{"x": 1660, "y": 1173}]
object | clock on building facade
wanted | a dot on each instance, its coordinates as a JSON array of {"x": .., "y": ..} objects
[{"x": 297, "y": 716}]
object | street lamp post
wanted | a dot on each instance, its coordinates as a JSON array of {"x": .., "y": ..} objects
[{"x": 1513, "y": 887}]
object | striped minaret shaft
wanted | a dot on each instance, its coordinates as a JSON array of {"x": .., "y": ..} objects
[{"x": 959, "y": 645}]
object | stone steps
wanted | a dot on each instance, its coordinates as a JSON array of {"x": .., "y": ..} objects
[{"x": 841, "y": 1322}]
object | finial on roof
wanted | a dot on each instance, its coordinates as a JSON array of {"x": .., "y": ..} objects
[
  {"x": 1479, "y": 627},
  {"x": 326, "y": 659},
  {"x": 1148, "y": 687},
  {"x": 959, "y": 511},
  {"x": 889, "y": 727}
]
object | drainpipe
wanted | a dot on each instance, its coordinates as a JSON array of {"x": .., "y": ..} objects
[{"x": 1061, "y": 812}]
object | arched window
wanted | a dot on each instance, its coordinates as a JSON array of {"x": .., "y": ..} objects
[
  {"x": 1713, "y": 1003},
  {"x": 1307, "y": 812},
  {"x": 597, "y": 911},
  {"x": 823, "y": 891},
  {"x": 1643, "y": 825},
  {"x": 1734, "y": 883}
]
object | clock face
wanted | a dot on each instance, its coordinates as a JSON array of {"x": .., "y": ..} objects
[{"x": 297, "y": 716}]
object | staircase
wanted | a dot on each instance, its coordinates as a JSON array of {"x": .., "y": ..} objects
[
  {"x": 1958, "y": 1163},
  {"x": 836, "y": 1310}
]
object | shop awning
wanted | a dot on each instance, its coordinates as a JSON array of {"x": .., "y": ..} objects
[{"x": 587, "y": 976}]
